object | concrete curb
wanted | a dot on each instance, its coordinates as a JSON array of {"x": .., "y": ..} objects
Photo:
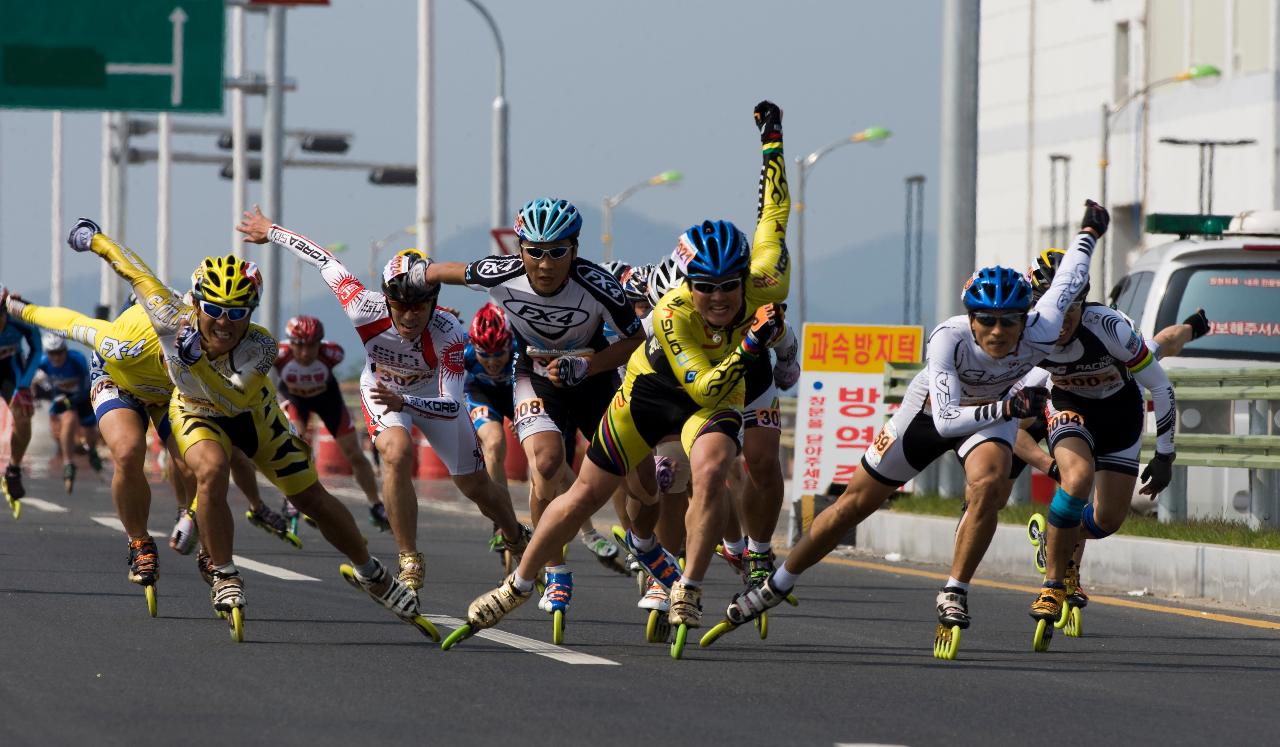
[{"x": 1167, "y": 568}]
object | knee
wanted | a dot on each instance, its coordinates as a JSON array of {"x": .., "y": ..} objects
[
  {"x": 707, "y": 478},
  {"x": 1078, "y": 485},
  {"x": 129, "y": 457},
  {"x": 547, "y": 464},
  {"x": 397, "y": 455},
  {"x": 307, "y": 499},
  {"x": 985, "y": 491}
]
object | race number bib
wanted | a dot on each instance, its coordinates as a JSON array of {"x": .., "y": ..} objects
[
  {"x": 880, "y": 446},
  {"x": 529, "y": 409},
  {"x": 1065, "y": 419}
]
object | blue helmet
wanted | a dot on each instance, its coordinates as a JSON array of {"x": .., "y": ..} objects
[
  {"x": 548, "y": 219},
  {"x": 713, "y": 249},
  {"x": 997, "y": 289}
]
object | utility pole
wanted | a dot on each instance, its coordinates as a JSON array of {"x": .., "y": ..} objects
[
  {"x": 424, "y": 217},
  {"x": 272, "y": 155}
]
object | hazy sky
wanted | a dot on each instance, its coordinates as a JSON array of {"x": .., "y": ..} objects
[{"x": 601, "y": 95}]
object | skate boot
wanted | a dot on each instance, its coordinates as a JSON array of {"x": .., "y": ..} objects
[
  {"x": 391, "y": 593},
  {"x": 378, "y": 517},
  {"x": 227, "y": 596},
  {"x": 658, "y": 563},
  {"x": 512, "y": 550},
  {"x": 290, "y": 514},
  {"x": 205, "y": 566},
  {"x": 487, "y": 610},
  {"x": 1038, "y": 535},
  {"x": 14, "y": 491},
  {"x": 1046, "y": 610},
  {"x": 555, "y": 599},
  {"x": 144, "y": 569},
  {"x": 272, "y": 523},
  {"x": 953, "y": 617},
  {"x": 183, "y": 537},
  {"x": 685, "y": 612},
  {"x": 751, "y": 604},
  {"x": 412, "y": 569},
  {"x": 1077, "y": 600},
  {"x": 69, "y": 476},
  {"x": 657, "y": 629},
  {"x": 605, "y": 551},
  {"x": 734, "y": 561}
]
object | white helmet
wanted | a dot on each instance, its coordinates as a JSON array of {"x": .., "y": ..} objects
[
  {"x": 53, "y": 342},
  {"x": 666, "y": 276}
]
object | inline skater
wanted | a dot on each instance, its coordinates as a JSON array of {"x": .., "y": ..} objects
[
  {"x": 412, "y": 376},
  {"x": 16, "y": 372},
  {"x": 962, "y": 402},
  {"x": 556, "y": 304},
  {"x": 303, "y": 373},
  {"x": 688, "y": 379},
  {"x": 219, "y": 361},
  {"x": 65, "y": 374},
  {"x": 1095, "y": 419}
]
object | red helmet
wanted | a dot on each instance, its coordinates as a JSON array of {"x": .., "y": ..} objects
[
  {"x": 304, "y": 329},
  {"x": 489, "y": 331}
]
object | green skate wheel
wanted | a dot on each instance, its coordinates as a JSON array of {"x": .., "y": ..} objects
[
  {"x": 236, "y": 624},
  {"x": 762, "y": 625},
  {"x": 677, "y": 646},
  {"x": 459, "y": 634},
  {"x": 791, "y": 600},
  {"x": 1036, "y": 535},
  {"x": 713, "y": 635},
  {"x": 150, "y": 592},
  {"x": 1073, "y": 627},
  {"x": 427, "y": 629},
  {"x": 17, "y": 508},
  {"x": 557, "y": 627},
  {"x": 292, "y": 539},
  {"x": 946, "y": 642},
  {"x": 656, "y": 628},
  {"x": 1061, "y": 622},
  {"x": 1044, "y": 634},
  {"x": 349, "y": 574}
]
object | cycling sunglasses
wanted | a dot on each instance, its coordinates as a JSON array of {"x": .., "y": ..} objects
[
  {"x": 706, "y": 286},
  {"x": 234, "y": 313},
  {"x": 402, "y": 307},
  {"x": 554, "y": 252},
  {"x": 1004, "y": 320},
  {"x": 496, "y": 354}
]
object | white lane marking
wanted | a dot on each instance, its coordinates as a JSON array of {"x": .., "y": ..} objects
[
  {"x": 528, "y": 645},
  {"x": 246, "y": 563},
  {"x": 40, "y": 505},
  {"x": 866, "y": 744}
]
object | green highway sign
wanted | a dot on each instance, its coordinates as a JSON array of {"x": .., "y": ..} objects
[{"x": 121, "y": 55}]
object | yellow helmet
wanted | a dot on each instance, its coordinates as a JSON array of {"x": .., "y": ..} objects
[{"x": 227, "y": 281}]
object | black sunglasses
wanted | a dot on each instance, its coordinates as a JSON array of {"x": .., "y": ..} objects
[
  {"x": 1004, "y": 320},
  {"x": 554, "y": 252},
  {"x": 706, "y": 286}
]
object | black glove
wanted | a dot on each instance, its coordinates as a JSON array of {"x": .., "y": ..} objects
[
  {"x": 1199, "y": 322},
  {"x": 1095, "y": 217},
  {"x": 1157, "y": 475},
  {"x": 189, "y": 350},
  {"x": 769, "y": 120},
  {"x": 1027, "y": 403},
  {"x": 1053, "y": 472}
]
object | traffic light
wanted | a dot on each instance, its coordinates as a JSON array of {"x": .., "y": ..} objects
[
  {"x": 394, "y": 176},
  {"x": 252, "y": 139},
  {"x": 325, "y": 144},
  {"x": 254, "y": 168}
]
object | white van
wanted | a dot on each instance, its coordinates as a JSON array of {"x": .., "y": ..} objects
[{"x": 1230, "y": 266}]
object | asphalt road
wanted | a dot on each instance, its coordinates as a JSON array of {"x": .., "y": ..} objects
[{"x": 82, "y": 662}]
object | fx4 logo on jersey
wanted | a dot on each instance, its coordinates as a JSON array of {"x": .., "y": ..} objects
[
  {"x": 551, "y": 322},
  {"x": 118, "y": 350},
  {"x": 603, "y": 281},
  {"x": 496, "y": 267}
]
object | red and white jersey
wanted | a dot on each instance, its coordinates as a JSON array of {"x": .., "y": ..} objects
[
  {"x": 311, "y": 379},
  {"x": 428, "y": 369}
]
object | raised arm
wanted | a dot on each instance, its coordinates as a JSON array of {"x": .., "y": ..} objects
[
  {"x": 164, "y": 306},
  {"x": 1072, "y": 275},
  {"x": 770, "y": 262},
  {"x": 447, "y": 273}
]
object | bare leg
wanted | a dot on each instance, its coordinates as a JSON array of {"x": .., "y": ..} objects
[
  {"x": 245, "y": 475},
  {"x": 711, "y": 458},
  {"x": 1075, "y": 464},
  {"x": 763, "y": 491},
  {"x": 862, "y": 497},
  {"x": 492, "y": 499},
  {"x": 334, "y": 520},
  {"x": 395, "y": 446},
  {"x": 493, "y": 444},
  {"x": 986, "y": 472},
  {"x": 126, "y": 436},
  {"x": 212, "y": 467},
  {"x": 563, "y": 518}
]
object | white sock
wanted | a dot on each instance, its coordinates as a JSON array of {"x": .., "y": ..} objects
[
  {"x": 760, "y": 547},
  {"x": 523, "y": 585},
  {"x": 590, "y": 534},
  {"x": 643, "y": 544},
  {"x": 557, "y": 568},
  {"x": 952, "y": 581},
  {"x": 367, "y": 571},
  {"x": 735, "y": 547},
  {"x": 227, "y": 570},
  {"x": 690, "y": 583},
  {"x": 783, "y": 580}
]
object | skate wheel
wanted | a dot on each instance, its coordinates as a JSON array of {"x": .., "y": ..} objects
[
  {"x": 642, "y": 583},
  {"x": 1073, "y": 627},
  {"x": 713, "y": 635},
  {"x": 236, "y": 624},
  {"x": 292, "y": 539},
  {"x": 656, "y": 628},
  {"x": 424, "y": 625},
  {"x": 349, "y": 575},
  {"x": 946, "y": 642},
  {"x": 762, "y": 625},
  {"x": 677, "y": 646},
  {"x": 1036, "y": 536},
  {"x": 791, "y": 600},
  {"x": 508, "y": 563},
  {"x": 17, "y": 509},
  {"x": 150, "y": 592},
  {"x": 459, "y": 634},
  {"x": 1061, "y": 622},
  {"x": 557, "y": 627},
  {"x": 1044, "y": 634},
  {"x": 310, "y": 521}
]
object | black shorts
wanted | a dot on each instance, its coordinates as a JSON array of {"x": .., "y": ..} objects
[
  {"x": 542, "y": 406},
  {"x": 328, "y": 405},
  {"x": 8, "y": 379},
  {"x": 1112, "y": 426},
  {"x": 490, "y": 402}
]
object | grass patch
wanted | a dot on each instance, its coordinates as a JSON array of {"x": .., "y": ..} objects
[{"x": 1206, "y": 531}]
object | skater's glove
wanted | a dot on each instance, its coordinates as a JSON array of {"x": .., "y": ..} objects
[
  {"x": 1096, "y": 218},
  {"x": 1158, "y": 474},
  {"x": 768, "y": 118},
  {"x": 81, "y": 237},
  {"x": 1199, "y": 323},
  {"x": 1025, "y": 403},
  {"x": 568, "y": 370},
  {"x": 767, "y": 328},
  {"x": 189, "y": 350}
]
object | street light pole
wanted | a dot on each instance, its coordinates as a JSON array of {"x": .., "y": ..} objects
[
  {"x": 498, "y": 198},
  {"x": 424, "y": 217},
  {"x": 606, "y": 219},
  {"x": 273, "y": 154},
  {"x": 871, "y": 134}
]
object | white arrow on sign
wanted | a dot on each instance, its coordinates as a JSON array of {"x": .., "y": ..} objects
[{"x": 178, "y": 19}]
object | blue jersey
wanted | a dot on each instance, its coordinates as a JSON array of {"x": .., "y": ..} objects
[
  {"x": 71, "y": 378},
  {"x": 476, "y": 371},
  {"x": 12, "y": 363}
]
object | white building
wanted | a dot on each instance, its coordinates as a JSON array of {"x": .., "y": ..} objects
[{"x": 1047, "y": 68}]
